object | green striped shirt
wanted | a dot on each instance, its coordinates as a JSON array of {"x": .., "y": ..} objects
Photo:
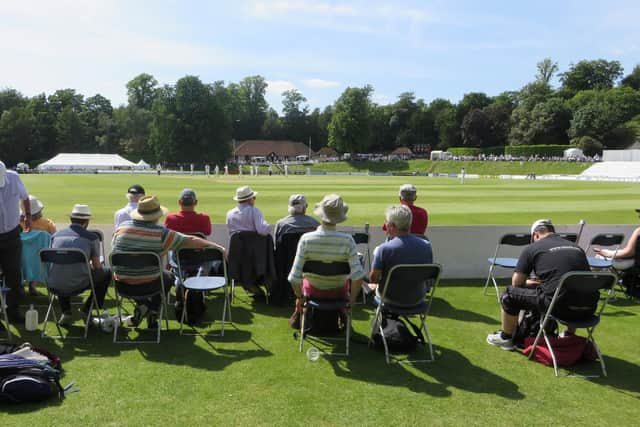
[{"x": 327, "y": 245}]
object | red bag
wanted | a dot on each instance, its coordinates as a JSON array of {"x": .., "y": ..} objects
[{"x": 568, "y": 350}]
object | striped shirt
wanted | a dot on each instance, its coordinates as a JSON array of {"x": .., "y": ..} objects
[
  {"x": 327, "y": 245},
  {"x": 143, "y": 236}
]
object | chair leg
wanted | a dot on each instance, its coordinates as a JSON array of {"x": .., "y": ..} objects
[
  {"x": 183, "y": 316},
  {"x": 224, "y": 312},
  {"x": 384, "y": 342},
  {"x": 551, "y": 352},
  {"x": 304, "y": 312},
  {"x": 486, "y": 283},
  {"x": 119, "y": 312},
  {"x": 348, "y": 332},
  {"x": 423, "y": 326},
  {"x": 3, "y": 307}
]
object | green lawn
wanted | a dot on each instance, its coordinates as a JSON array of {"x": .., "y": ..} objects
[
  {"x": 478, "y": 201},
  {"x": 256, "y": 376}
]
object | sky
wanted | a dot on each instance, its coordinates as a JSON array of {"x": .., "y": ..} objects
[{"x": 436, "y": 49}]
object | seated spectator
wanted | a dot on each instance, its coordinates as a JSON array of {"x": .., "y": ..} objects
[
  {"x": 143, "y": 234},
  {"x": 38, "y": 222},
  {"x": 420, "y": 217},
  {"x": 548, "y": 257},
  {"x": 625, "y": 257},
  {"x": 297, "y": 221},
  {"x": 326, "y": 245},
  {"x": 134, "y": 194},
  {"x": 188, "y": 221},
  {"x": 245, "y": 216},
  {"x": 401, "y": 248},
  {"x": 73, "y": 278}
]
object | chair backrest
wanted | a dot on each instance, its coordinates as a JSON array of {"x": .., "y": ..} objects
[
  {"x": 320, "y": 268},
  {"x": 611, "y": 240},
  {"x": 361, "y": 238},
  {"x": 134, "y": 260},
  {"x": 578, "y": 294},
  {"x": 515, "y": 239},
  {"x": 50, "y": 257},
  {"x": 572, "y": 237},
  {"x": 63, "y": 256},
  {"x": 32, "y": 242},
  {"x": 408, "y": 284},
  {"x": 189, "y": 258}
]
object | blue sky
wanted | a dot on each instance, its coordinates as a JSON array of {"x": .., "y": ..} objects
[{"x": 432, "y": 48}]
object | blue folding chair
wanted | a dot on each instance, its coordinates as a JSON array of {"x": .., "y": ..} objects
[{"x": 511, "y": 239}]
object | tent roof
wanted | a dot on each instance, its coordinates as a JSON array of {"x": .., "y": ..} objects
[
  {"x": 142, "y": 163},
  {"x": 86, "y": 160}
]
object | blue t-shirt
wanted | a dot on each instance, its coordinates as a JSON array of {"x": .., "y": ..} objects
[
  {"x": 73, "y": 277},
  {"x": 406, "y": 249}
]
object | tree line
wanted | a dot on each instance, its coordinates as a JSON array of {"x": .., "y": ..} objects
[{"x": 595, "y": 106}]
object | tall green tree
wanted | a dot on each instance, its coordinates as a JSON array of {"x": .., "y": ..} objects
[
  {"x": 633, "y": 79},
  {"x": 295, "y": 112},
  {"x": 16, "y": 135},
  {"x": 71, "y": 132},
  {"x": 141, "y": 91},
  {"x": 547, "y": 68},
  {"x": 10, "y": 98},
  {"x": 350, "y": 124},
  {"x": 598, "y": 74},
  {"x": 544, "y": 123}
]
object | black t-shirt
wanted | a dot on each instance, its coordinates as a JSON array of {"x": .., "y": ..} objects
[{"x": 549, "y": 259}]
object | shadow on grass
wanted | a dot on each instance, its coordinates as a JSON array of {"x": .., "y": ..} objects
[
  {"x": 443, "y": 309},
  {"x": 622, "y": 375}
]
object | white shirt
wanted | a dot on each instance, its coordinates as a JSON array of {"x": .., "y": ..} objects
[
  {"x": 124, "y": 214},
  {"x": 245, "y": 217},
  {"x": 10, "y": 196}
]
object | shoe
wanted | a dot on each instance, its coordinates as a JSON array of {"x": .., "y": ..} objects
[
  {"x": 497, "y": 340},
  {"x": 139, "y": 313},
  {"x": 15, "y": 316},
  {"x": 66, "y": 319},
  {"x": 152, "y": 319}
]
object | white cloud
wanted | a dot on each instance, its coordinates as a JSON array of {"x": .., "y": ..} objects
[
  {"x": 276, "y": 87},
  {"x": 319, "y": 83}
]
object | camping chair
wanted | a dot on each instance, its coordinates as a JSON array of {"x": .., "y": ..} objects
[
  {"x": 3, "y": 305},
  {"x": 574, "y": 305},
  {"x": 129, "y": 261},
  {"x": 203, "y": 282},
  {"x": 396, "y": 299},
  {"x": 100, "y": 236},
  {"x": 362, "y": 244},
  {"x": 512, "y": 239},
  {"x": 336, "y": 268},
  {"x": 49, "y": 258},
  {"x": 604, "y": 240},
  {"x": 32, "y": 242}
]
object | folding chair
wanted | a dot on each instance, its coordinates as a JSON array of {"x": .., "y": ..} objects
[
  {"x": 574, "y": 305},
  {"x": 606, "y": 241},
  {"x": 32, "y": 242},
  {"x": 3, "y": 305},
  {"x": 100, "y": 236},
  {"x": 572, "y": 237},
  {"x": 362, "y": 243},
  {"x": 245, "y": 249},
  {"x": 203, "y": 282},
  {"x": 512, "y": 239},
  {"x": 132, "y": 261},
  {"x": 399, "y": 298},
  {"x": 337, "y": 268},
  {"x": 66, "y": 257}
]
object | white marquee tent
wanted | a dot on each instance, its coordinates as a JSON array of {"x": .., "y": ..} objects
[
  {"x": 85, "y": 162},
  {"x": 142, "y": 165}
]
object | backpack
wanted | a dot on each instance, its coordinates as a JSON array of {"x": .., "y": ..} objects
[
  {"x": 568, "y": 350},
  {"x": 196, "y": 306},
  {"x": 529, "y": 326},
  {"x": 397, "y": 334},
  {"x": 323, "y": 322},
  {"x": 29, "y": 375}
]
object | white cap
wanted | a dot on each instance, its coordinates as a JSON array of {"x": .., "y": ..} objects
[{"x": 538, "y": 223}]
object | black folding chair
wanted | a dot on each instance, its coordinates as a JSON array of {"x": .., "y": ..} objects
[
  {"x": 49, "y": 258},
  {"x": 609, "y": 240},
  {"x": 100, "y": 235},
  {"x": 572, "y": 237},
  {"x": 203, "y": 281},
  {"x": 362, "y": 240},
  {"x": 338, "y": 268},
  {"x": 3, "y": 305},
  {"x": 408, "y": 291},
  {"x": 574, "y": 305},
  {"x": 511, "y": 239},
  {"x": 132, "y": 261}
]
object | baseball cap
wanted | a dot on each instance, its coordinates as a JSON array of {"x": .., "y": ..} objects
[
  {"x": 3, "y": 172},
  {"x": 540, "y": 222},
  {"x": 297, "y": 199},
  {"x": 136, "y": 189},
  {"x": 188, "y": 196}
]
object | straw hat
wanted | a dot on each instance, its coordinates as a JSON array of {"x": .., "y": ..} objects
[
  {"x": 244, "y": 193},
  {"x": 149, "y": 209},
  {"x": 80, "y": 212}
]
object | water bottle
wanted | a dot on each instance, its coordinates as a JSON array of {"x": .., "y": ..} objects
[
  {"x": 313, "y": 354},
  {"x": 31, "y": 319}
]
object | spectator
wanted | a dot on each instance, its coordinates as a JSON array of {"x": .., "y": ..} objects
[
  {"x": 72, "y": 278},
  {"x": 245, "y": 216},
  {"x": 143, "y": 234},
  {"x": 134, "y": 194},
  {"x": 38, "y": 222},
  {"x": 297, "y": 221},
  {"x": 12, "y": 191},
  {"x": 401, "y": 248},
  {"x": 548, "y": 257},
  {"x": 188, "y": 221},
  {"x": 625, "y": 257},
  {"x": 420, "y": 217},
  {"x": 327, "y": 245}
]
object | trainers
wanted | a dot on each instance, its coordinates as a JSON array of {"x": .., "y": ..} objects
[
  {"x": 497, "y": 340},
  {"x": 139, "y": 313},
  {"x": 66, "y": 319},
  {"x": 152, "y": 320}
]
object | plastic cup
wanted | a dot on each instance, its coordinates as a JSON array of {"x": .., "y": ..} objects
[{"x": 313, "y": 354}]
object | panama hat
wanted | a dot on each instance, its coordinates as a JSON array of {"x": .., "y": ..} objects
[
  {"x": 149, "y": 209},
  {"x": 244, "y": 193},
  {"x": 80, "y": 212},
  {"x": 332, "y": 209}
]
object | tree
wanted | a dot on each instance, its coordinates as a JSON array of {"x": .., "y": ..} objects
[
  {"x": 44, "y": 132},
  {"x": 71, "y": 132},
  {"x": 446, "y": 126},
  {"x": 546, "y": 69},
  {"x": 10, "y": 98},
  {"x": 66, "y": 98},
  {"x": 141, "y": 91},
  {"x": 350, "y": 124},
  {"x": 16, "y": 135},
  {"x": 499, "y": 115},
  {"x": 250, "y": 109},
  {"x": 598, "y": 74},
  {"x": 272, "y": 128},
  {"x": 295, "y": 115},
  {"x": 476, "y": 129},
  {"x": 633, "y": 79},
  {"x": 133, "y": 128},
  {"x": 545, "y": 123}
]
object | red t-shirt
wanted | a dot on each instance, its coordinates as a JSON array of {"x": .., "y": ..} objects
[
  {"x": 189, "y": 223},
  {"x": 419, "y": 220}
]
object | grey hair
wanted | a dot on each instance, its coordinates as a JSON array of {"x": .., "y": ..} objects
[
  {"x": 400, "y": 216},
  {"x": 296, "y": 209}
]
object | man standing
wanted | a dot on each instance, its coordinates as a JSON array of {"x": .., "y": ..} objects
[
  {"x": 420, "y": 217},
  {"x": 245, "y": 216},
  {"x": 548, "y": 257},
  {"x": 401, "y": 248},
  {"x": 188, "y": 221},
  {"x": 68, "y": 278},
  {"x": 134, "y": 194},
  {"x": 297, "y": 221},
  {"x": 12, "y": 191}
]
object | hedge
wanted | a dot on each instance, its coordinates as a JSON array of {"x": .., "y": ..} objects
[
  {"x": 465, "y": 151},
  {"x": 533, "y": 150}
]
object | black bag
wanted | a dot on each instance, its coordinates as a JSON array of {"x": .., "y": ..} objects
[
  {"x": 397, "y": 334},
  {"x": 196, "y": 306},
  {"x": 323, "y": 322},
  {"x": 529, "y": 327},
  {"x": 25, "y": 380},
  {"x": 630, "y": 281}
]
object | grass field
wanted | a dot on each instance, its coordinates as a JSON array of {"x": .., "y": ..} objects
[
  {"x": 478, "y": 201},
  {"x": 255, "y": 374}
]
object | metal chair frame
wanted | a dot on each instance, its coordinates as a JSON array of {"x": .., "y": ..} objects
[
  {"x": 3, "y": 306},
  {"x": 510, "y": 239},
  {"x": 363, "y": 239}
]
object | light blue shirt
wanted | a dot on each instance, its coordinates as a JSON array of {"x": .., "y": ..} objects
[
  {"x": 245, "y": 217},
  {"x": 10, "y": 196},
  {"x": 124, "y": 214}
]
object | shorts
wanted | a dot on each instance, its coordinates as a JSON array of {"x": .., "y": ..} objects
[{"x": 515, "y": 299}]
